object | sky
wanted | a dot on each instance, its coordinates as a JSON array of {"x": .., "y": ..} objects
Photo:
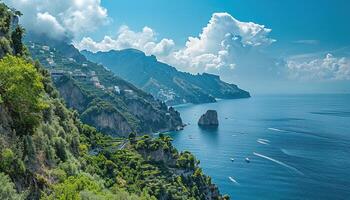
[{"x": 264, "y": 46}]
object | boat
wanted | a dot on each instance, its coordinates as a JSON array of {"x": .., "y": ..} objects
[
  {"x": 232, "y": 159},
  {"x": 247, "y": 160}
]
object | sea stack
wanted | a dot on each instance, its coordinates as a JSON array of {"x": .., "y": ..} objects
[{"x": 210, "y": 118}]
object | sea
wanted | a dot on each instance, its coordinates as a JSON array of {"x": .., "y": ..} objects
[{"x": 298, "y": 146}]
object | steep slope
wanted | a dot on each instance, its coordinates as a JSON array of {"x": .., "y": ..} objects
[
  {"x": 47, "y": 153},
  {"x": 104, "y": 100},
  {"x": 164, "y": 81}
]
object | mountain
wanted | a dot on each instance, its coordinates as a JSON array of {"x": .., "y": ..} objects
[
  {"x": 164, "y": 81},
  {"x": 103, "y": 100},
  {"x": 47, "y": 153}
]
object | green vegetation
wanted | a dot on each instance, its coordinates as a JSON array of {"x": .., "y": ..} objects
[
  {"x": 46, "y": 152},
  {"x": 21, "y": 90},
  {"x": 7, "y": 189},
  {"x": 16, "y": 37}
]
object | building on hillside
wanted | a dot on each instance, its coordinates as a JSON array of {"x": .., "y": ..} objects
[
  {"x": 56, "y": 73},
  {"x": 51, "y": 62},
  {"x": 45, "y": 48}
]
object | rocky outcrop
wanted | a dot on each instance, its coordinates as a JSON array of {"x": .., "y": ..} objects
[
  {"x": 111, "y": 123},
  {"x": 71, "y": 93},
  {"x": 210, "y": 118}
]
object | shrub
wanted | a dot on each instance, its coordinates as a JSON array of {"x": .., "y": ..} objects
[
  {"x": 16, "y": 37},
  {"x": 7, "y": 160},
  {"x": 60, "y": 147},
  {"x": 5, "y": 46},
  {"x": 21, "y": 90},
  {"x": 7, "y": 191},
  {"x": 10, "y": 164}
]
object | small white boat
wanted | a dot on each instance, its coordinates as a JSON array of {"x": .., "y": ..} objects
[
  {"x": 247, "y": 160},
  {"x": 232, "y": 159}
]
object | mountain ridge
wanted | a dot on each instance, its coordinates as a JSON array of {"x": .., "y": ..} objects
[{"x": 164, "y": 81}]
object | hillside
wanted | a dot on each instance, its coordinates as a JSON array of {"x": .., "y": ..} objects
[
  {"x": 104, "y": 100},
  {"x": 163, "y": 81},
  {"x": 46, "y": 152}
]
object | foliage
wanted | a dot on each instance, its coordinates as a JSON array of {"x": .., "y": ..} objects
[
  {"x": 85, "y": 186},
  {"x": 5, "y": 46},
  {"x": 186, "y": 160},
  {"x": 149, "y": 165},
  {"x": 7, "y": 190},
  {"x": 16, "y": 37},
  {"x": 10, "y": 163},
  {"x": 22, "y": 92},
  {"x": 5, "y": 18}
]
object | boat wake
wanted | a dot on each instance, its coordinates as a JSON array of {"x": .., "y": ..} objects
[
  {"x": 277, "y": 130},
  {"x": 233, "y": 180},
  {"x": 302, "y": 132},
  {"x": 263, "y": 141},
  {"x": 279, "y": 162}
]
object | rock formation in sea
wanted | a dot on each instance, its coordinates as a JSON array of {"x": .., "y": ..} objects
[{"x": 210, "y": 118}]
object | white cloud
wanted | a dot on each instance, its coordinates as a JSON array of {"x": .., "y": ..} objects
[
  {"x": 218, "y": 47},
  {"x": 220, "y": 44},
  {"x": 145, "y": 41},
  {"x": 50, "y": 23},
  {"x": 59, "y": 18},
  {"x": 327, "y": 68}
]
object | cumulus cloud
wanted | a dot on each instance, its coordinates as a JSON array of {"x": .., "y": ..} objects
[
  {"x": 327, "y": 68},
  {"x": 219, "y": 46},
  {"x": 51, "y": 23},
  {"x": 61, "y": 18},
  {"x": 144, "y": 40}
]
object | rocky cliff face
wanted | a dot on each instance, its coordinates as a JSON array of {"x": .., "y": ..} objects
[
  {"x": 210, "y": 118},
  {"x": 109, "y": 122},
  {"x": 73, "y": 95}
]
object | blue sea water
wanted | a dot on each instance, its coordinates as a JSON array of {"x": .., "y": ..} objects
[{"x": 298, "y": 146}]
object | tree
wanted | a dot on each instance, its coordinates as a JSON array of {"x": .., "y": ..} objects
[
  {"x": 21, "y": 90},
  {"x": 132, "y": 137},
  {"x": 7, "y": 191},
  {"x": 16, "y": 37}
]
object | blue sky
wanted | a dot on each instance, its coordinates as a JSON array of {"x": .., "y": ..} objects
[
  {"x": 265, "y": 46},
  {"x": 326, "y": 21},
  {"x": 299, "y": 26}
]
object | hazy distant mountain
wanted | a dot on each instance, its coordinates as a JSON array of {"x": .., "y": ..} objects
[{"x": 164, "y": 81}]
